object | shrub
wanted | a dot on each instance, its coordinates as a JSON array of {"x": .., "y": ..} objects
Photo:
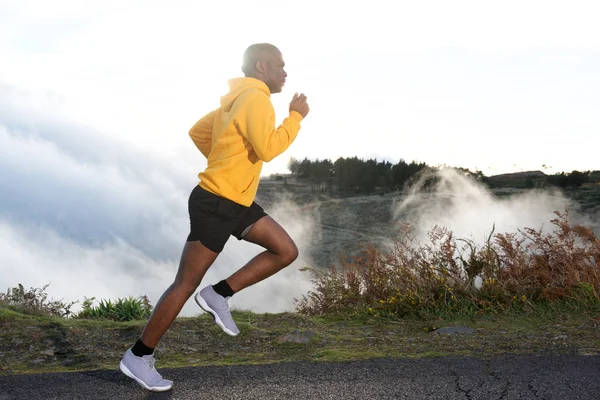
[
  {"x": 509, "y": 272},
  {"x": 34, "y": 301},
  {"x": 124, "y": 309}
]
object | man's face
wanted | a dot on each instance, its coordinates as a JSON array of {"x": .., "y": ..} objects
[{"x": 274, "y": 74}]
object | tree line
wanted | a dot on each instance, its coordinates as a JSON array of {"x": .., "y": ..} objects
[
  {"x": 355, "y": 175},
  {"x": 573, "y": 179}
]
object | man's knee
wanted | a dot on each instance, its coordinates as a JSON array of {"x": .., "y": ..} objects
[
  {"x": 289, "y": 254},
  {"x": 187, "y": 287}
]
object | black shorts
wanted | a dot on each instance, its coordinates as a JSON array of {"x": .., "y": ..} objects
[{"x": 214, "y": 218}]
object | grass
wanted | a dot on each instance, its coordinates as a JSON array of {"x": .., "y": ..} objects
[{"x": 35, "y": 344}]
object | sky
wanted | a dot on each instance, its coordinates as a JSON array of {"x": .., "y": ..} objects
[
  {"x": 97, "y": 98},
  {"x": 495, "y": 86}
]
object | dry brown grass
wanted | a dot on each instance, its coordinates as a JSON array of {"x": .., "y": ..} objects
[{"x": 514, "y": 271}]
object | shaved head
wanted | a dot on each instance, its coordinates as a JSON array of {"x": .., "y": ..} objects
[
  {"x": 264, "y": 61},
  {"x": 259, "y": 52}
]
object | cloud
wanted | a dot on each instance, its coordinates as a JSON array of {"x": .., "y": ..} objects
[
  {"x": 35, "y": 256},
  {"x": 97, "y": 217},
  {"x": 89, "y": 187},
  {"x": 470, "y": 210}
]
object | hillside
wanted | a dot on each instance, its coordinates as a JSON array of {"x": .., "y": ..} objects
[
  {"x": 369, "y": 218},
  {"x": 517, "y": 176}
]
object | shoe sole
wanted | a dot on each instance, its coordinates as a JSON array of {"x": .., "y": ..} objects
[
  {"x": 128, "y": 373},
  {"x": 203, "y": 305}
]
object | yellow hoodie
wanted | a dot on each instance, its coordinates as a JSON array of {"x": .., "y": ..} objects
[{"x": 238, "y": 136}]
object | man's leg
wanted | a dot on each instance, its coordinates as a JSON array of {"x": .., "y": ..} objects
[
  {"x": 138, "y": 362},
  {"x": 280, "y": 252},
  {"x": 195, "y": 261}
]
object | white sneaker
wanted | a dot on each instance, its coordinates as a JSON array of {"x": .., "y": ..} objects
[
  {"x": 141, "y": 369},
  {"x": 215, "y": 304}
]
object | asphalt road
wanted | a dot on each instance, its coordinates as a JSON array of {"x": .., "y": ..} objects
[{"x": 547, "y": 377}]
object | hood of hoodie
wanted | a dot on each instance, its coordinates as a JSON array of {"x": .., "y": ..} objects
[{"x": 238, "y": 85}]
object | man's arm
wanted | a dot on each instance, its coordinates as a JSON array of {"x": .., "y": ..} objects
[
  {"x": 258, "y": 126},
  {"x": 201, "y": 133}
]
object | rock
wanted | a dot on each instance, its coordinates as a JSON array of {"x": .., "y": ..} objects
[
  {"x": 62, "y": 350},
  {"x": 67, "y": 362},
  {"x": 453, "y": 330},
  {"x": 47, "y": 352},
  {"x": 38, "y": 361},
  {"x": 561, "y": 337},
  {"x": 297, "y": 337}
]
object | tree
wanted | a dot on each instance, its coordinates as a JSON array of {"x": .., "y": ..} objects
[
  {"x": 574, "y": 179},
  {"x": 577, "y": 178},
  {"x": 293, "y": 166}
]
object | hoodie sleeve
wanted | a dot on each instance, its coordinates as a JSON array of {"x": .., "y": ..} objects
[
  {"x": 257, "y": 125},
  {"x": 201, "y": 133}
]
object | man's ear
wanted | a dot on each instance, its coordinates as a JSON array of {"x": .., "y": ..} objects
[{"x": 260, "y": 67}]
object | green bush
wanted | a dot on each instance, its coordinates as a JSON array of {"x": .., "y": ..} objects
[{"x": 123, "y": 309}]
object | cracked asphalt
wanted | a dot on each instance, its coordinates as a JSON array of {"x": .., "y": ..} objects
[{"x": 560, "y": 377}]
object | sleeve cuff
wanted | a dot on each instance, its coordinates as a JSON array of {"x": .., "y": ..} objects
[{"x": 295, "y": 116}]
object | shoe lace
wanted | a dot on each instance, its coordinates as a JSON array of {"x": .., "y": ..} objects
[{"x": 150, "y": 362}]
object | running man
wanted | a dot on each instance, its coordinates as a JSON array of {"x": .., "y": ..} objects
[{"x": 236, "y": 139}]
